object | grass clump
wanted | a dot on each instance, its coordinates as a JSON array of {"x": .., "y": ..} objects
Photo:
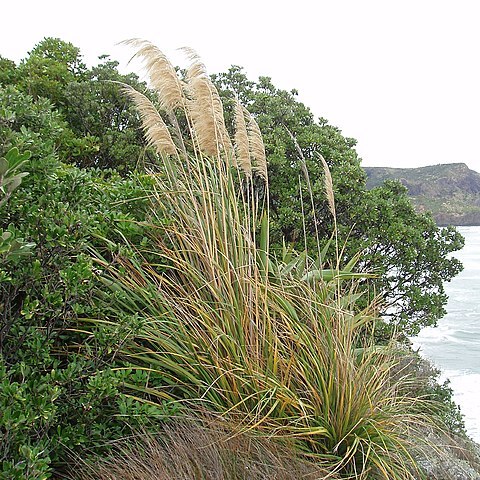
[
  {"x": 233, "y": 331},
  {"x": 200, "y": 448}
]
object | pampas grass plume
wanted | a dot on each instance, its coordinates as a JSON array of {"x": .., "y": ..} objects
[
  {"x": 257, "y": 148},
  {"x": 156, "y": 131},
  {"x": 206, "y": 108},
  {"x": 242, "y": 144},
  {"x": 328, "y": 186},
  {"x": 162, "y": 74}
]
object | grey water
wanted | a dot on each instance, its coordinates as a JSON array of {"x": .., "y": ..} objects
[{"x": 454, "y": 345}]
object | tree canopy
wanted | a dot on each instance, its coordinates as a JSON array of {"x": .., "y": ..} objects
[
  {"x": 103, "y": 127},
  {"x": 405, "y": 249}
]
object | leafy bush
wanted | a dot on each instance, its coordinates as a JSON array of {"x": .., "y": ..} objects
[
  {"x": 56, "y": 397},
  {"x": 100, "y": 128}
]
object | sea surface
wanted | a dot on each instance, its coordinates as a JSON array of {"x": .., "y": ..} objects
[{"x": 454, "y": 345}]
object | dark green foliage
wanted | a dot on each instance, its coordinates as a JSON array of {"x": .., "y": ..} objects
[
  {"x": 49, "y": 68},
  {"x": 406, "y": 249},
  {"x": 96, "y": 108},
  {"x": 57, "y": 398},
  {"x": 10, "y": 174},
  {"x": 8, "y": 71},
  {"x": 12, "y": 247},
  {"x": 37, "y": 127},
  {"x": 409, "y": 253},
  {"x": 101, "y": 127}
]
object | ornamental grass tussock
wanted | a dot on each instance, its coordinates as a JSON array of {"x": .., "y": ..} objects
[{"x": 279, "y": 348}]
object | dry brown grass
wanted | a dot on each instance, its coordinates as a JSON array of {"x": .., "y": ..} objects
[{"x": 189, "y": 450}]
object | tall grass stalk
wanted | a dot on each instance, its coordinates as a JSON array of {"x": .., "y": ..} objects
[{"x": 232, "y": 331}]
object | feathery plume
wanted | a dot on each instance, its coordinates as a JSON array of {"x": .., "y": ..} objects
[
  {"x": 206, "y": 109},
  {"x": 242, "y": 144},
  {"x": 328, "y": 186},
  {"x": 156, "y": 131},
  {"x": 257, "y": 148},
  {"x": 162, "y": 74},
  {"x": 197, "y": 67}
]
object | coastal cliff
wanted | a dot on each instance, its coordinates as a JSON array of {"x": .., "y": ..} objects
[{"x": 450, "y": 191}]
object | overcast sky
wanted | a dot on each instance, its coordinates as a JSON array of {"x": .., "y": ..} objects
[{"x": 402, "y": 77}]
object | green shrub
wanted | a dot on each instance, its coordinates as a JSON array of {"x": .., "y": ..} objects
[{"x": 55, "y": 397}]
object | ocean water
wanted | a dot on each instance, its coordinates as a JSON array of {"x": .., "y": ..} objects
[{"x": 454, "y": 345}]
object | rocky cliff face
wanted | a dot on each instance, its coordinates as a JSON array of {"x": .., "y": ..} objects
[{"x": 450, "y": 191}]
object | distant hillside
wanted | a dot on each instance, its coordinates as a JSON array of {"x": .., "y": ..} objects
[{"x": 451, "y": 191}]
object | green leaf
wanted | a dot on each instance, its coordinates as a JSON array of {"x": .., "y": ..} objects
[{"x": 3, "y": 166}]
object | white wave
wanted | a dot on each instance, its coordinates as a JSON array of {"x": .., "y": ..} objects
[
  {"x": 454, "y": 345},
  {"x": 466, "y": 388}
]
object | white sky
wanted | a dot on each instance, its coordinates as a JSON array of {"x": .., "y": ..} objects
[{"x": 402, "y": 77}]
